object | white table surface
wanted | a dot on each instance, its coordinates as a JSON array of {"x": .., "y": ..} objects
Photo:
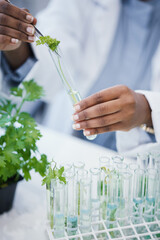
[{"x": 26, "y": 221}]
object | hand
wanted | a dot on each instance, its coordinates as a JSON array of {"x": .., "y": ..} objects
[
  {"x": 16, "y": 25},
  {"x": 112, "y": 109}
]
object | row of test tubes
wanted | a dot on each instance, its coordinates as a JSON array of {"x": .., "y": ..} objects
[{"x": 115, "y": 192}]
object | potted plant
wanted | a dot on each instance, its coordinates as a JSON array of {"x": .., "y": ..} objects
[{"x": 18, "y": 142}]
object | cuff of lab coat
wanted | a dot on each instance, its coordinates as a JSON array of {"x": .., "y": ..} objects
[
  {"x": 137, "y": 138},
  {"x": 153, "y": 99}
]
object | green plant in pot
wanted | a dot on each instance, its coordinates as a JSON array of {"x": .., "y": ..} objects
[{"x": 19, "y": 134}]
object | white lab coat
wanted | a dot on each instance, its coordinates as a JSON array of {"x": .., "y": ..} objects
[{"x": 86, "y": 29}]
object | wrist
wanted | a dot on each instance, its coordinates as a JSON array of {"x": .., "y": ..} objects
[
  {"x": 17, "y": 57},
  {"x": 146, "y": 113}
]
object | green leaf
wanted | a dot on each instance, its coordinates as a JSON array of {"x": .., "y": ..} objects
[
  {"x": 26, "y": 171},
  {"x": 20, "y": 144},
  {"x": 6, "y": 106},
  {"x": 26, "y": 120},
  {"x": 18, "y": 141},
  {"x": 62, "y": 179},
  {"x": 52, "y": 43},
  {"x": 2, "y": 161},
  {"x": 11, "y": 156},
  {"x": 17, "y": 92},
  {"x": 4, "y": 119},
  {"x": 54, "y": 173},
  {"x": 33, "y": 91}
]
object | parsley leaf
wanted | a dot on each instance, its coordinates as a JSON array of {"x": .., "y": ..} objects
[
  {"x": 54, "y": 173},
  {"x": 52, "y": 43},
  {"x": 18, "y": 140}
]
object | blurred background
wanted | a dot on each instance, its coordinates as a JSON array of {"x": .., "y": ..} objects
[{"x": 34, "y": 6}]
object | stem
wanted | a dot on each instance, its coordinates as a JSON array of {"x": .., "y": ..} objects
[
  {"x": 17, "y": 112},
  {"x": 64, "y": 75},
  {"x": 19, "y": 109}
]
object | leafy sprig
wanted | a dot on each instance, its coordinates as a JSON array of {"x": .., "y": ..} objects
[
  {"x": 19, "y": 135},
  {"x": 54, "y": 173},
  {"x": 52, "y": 43}
]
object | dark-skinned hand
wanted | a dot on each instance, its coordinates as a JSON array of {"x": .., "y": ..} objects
[{"x": 112, "y": 109}]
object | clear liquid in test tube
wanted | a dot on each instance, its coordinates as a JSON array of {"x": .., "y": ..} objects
[
  {"x": 72, "y": 205},
  {"x": 138, "y": 195},
  {"x": 59, "y": 209},
  {"x": 95, "y": 193},
  {"x": 67, "y": 80},
  {"x": 75, "y": 98},
  {"x": 85, "y": 205}
]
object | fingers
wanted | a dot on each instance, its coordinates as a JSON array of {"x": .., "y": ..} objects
[
  {"x": 16, "y": 24},
  {"x": 15, "y": 34},
  {"x": 98, "y": 110},
  {"x": 15, "y": 12},
  {"x": 110, "y": 128},
  {"x": 97, "y": 98},
  {"x": 6, "y": 40},
  {"x": 98, "y": 122}
]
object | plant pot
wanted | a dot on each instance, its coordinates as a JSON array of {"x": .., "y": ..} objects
[{"x": 7, "y": 196}]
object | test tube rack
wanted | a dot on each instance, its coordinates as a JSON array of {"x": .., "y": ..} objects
[{"x": 144, "y": 230}]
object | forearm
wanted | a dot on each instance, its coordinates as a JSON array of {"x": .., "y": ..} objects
[{"x": 17, "y": 57}]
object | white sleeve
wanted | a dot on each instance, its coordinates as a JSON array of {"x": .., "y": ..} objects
[
  {"x": 60, "y": 20},
  {"x": 137, "y": 138},
  {"x": 153, "y": 99}
]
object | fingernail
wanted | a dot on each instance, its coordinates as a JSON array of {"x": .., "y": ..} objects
[
  {"x": 86, "y": 133},
  {"x": 76, "y": 126},
  {"x": 75, "y": 117},
  {"x": 29, "y": 18},
  {"x": 77, "y": 107},
  {"x": 30, "y": 38},
  {"x": 14, "y": 40},
  {"x": 30, "y": 30}
]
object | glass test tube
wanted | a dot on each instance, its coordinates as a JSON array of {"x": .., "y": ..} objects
[
  {"x": 59, "y": 209},
  {"x": 72, "y": 205},
  {"x": 85, "y": 205},
  {"x": 158, "y": 197},
  {"x": 67, "y": 80},
  {"x": 67, "y": 167},
  {"x": 155, "y": 156},
  {"x": 69, "y": 171},
  {"x": 112, "y": 200},
  {"x": 132, "y": 167},
  {"x": 48, "y": 204},
  {"x": 78, "y": 165},
  {"x": 50, "y": 199},
  {"x": 52, "y": 203},
  {"x": 124, "y": 198},
  {"x": 150, "y": 198},
  {"x": 116, "y": 160},
  {"x": 81, "y": 173},
  {"x": 155, "y": 159},
  {"x": 138, "y": 195},
  {"x": 48, "y": 189},
  {"x": 143, "y": 160},
  {"x": 104, "y": 164},
  {"x": 95, "y": 193},
  {"x": 121, "y": 167}
]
